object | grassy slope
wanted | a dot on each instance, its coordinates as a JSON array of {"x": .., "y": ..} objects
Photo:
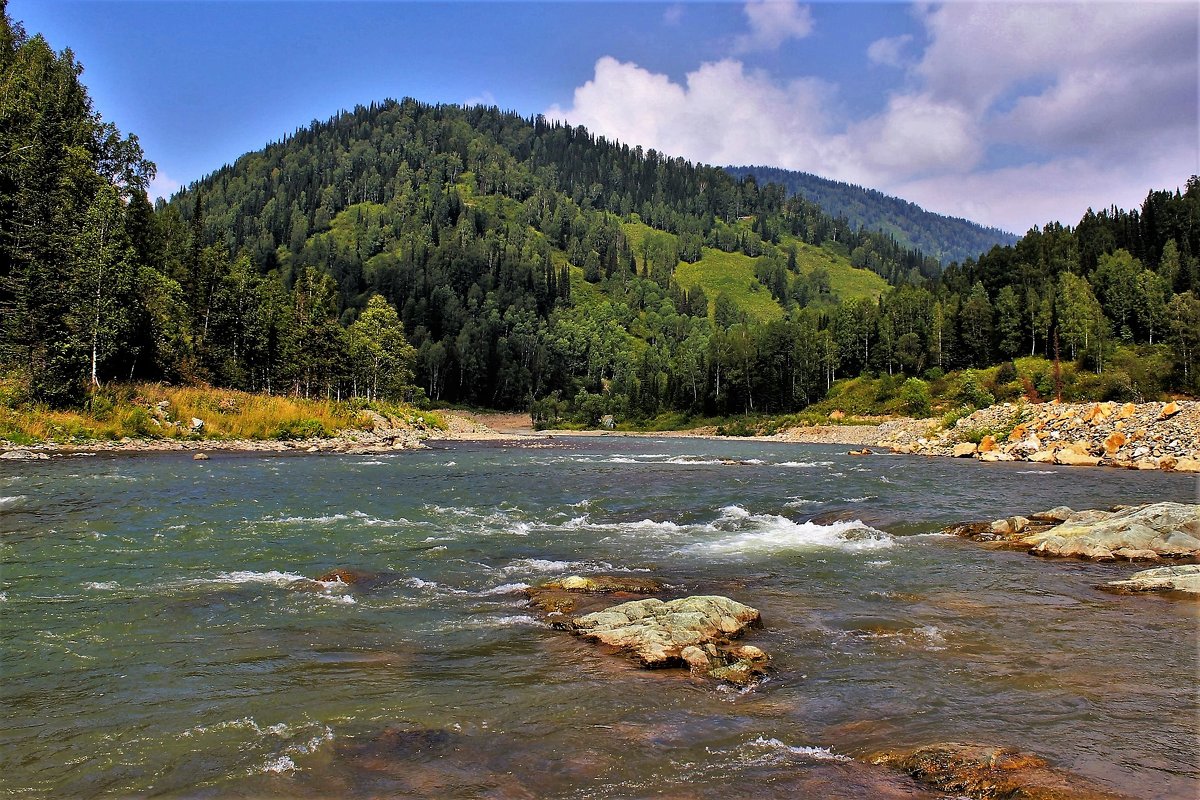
[
  {"x": 716, "y": 272},
  {"x": 845, "y": 280}
]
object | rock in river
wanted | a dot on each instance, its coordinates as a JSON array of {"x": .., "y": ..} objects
[
  {"x": 1170, "y": 530},
  {"x": 981, "y": 770},
  {"x": 1182, "y": 579},
  {"x": 655, "y": 633},
  {"x": 1138, "y": 533}
]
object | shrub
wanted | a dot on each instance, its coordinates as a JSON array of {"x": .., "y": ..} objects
[{"x": 914, "y": 394}]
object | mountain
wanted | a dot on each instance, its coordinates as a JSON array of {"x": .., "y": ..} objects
[
  {"x": 524, "y": 258},
  {"x": 945, "y": 238},
  {"x": 480, "y": 257}
]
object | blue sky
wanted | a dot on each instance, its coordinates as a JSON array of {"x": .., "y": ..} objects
[{"x": 1010, "y": 114}]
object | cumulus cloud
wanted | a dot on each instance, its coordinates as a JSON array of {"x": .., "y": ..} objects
[
  {"x": 1013, "y": 115},
  {"x": 722, "y": 113},
  {"x": 773, "y": 22},
  {"x": 162, "y": 186},
  {"x": 889, "y": 52}
]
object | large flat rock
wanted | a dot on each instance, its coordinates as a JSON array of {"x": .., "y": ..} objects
[
  {"x": 1170, "y": 530},
  {"x": 1183, "y": 579},
  {"x": 656, "y": 632}
]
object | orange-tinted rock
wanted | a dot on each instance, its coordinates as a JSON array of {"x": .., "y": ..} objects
[
  {"x": 987, "y": 444},
  {"x": 1114, "y": 442},
  {"x": 347, "y": 576},
  {"x": 837, "y": 414},
  {"x": 980, "y": 770},
  {"x": 1169, "y": 410},
  {"x": 1126, "y": 411}
]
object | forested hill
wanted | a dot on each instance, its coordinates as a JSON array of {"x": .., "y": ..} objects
[
  {"x": 476, "y": 256},
  {"x": 945, "y": 238}
]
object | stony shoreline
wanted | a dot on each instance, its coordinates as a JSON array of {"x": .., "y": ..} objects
[{"x": 1145, "y": 436}]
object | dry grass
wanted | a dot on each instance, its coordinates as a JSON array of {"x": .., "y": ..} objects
[{"x": 154, "y": 411}]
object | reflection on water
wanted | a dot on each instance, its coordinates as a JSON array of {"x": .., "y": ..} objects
[{"x": 162, "y": 633}]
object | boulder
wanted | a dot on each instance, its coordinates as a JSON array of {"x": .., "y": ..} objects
[
  {"x": 1167, "y": 529},
  {"x": 1183, "y": 579},
  {"x": 1042, "y": 457},
  {"x": 1169, "y": 410},
  {"x": 987, "y": 444},
  {"x": 964, "y": 449},
  {"x": 200, "y": 457},
  {"x": 656, "y": 632},
  {"x": 1070, "y": 457},
  {"x": 1187, "y": 465},
  {"x": 983, "y": 770},
  {"x": 1114, "y": 442},
  {"x": 1056, "y": 514},
  {"x": 1010, "y": 526},
  {"x": 1127, "y": 411},
  {"x": 996, "y": 455}
]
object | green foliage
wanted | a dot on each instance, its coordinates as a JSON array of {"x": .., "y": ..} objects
[
  {"x": 300, "y": 429},
  {"x": 971, "y": 391},
  {"x": 914, "y": 394}
]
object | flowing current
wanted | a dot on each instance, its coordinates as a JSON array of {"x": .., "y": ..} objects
[{"x": 155, "y": 641}]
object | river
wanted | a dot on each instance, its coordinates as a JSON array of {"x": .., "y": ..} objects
[{"x": 155, "y": 644}]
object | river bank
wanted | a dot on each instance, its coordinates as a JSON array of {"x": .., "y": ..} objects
[{"x": 1145, "y": 436}]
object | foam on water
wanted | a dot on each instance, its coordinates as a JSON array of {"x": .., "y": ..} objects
[
  {"x": 506, "y": 588},
  {"x": 774, "y": 747},
  {"x": 768, "y": 533},
  {"x": 14, "y": 500},
  {"x": 541, "y": 565},
  {"x": 102, "y": 585},
  {"x": 804, "y": 464},
  {"x": 270, "y": 578},
  {"x": 324, "y": 520}
]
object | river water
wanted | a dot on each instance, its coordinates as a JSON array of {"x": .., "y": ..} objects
[{"x": 154, "y": 645}]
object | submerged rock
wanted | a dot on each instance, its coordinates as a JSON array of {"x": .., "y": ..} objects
[
  {"x": 1183, "y": 579},
  {"x": 989, "y": 771},
  {"x": 655, "y": 633}
]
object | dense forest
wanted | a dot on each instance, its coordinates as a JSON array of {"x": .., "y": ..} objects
[
  {"x": 470, "y": 255},
  {"x": 945, "y": 238}
]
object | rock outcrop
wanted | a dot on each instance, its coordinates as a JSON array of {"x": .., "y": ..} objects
[
  {"x": 694, "y": 632},
  {"x": 988, "y": 771},
  {"x": 1139, "y": 533},
  {"x": 1183, "y": 579}
]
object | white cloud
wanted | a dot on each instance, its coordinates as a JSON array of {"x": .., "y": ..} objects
[
  {"x": 1013, "y": 115},
  {"x": 484, "y": 98},
  {"x": 1017, "y": 198},
  {"x": 722, "y": 114},
  {"x": 773, "y": 22},
  {"x": 889, "y": 52},
  {"x": 162, "y": 186}
]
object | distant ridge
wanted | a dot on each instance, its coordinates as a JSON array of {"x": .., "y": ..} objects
[{"x": 945, "y": 238}]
